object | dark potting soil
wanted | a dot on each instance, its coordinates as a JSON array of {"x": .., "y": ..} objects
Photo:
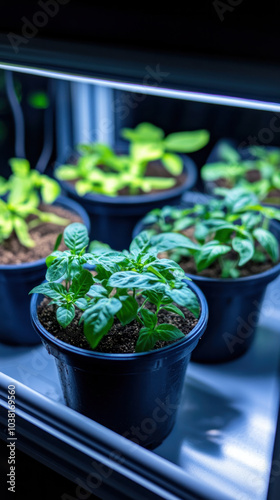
[
  {"x": 44, "y": 235},
  {"x": 120, "y": 339}
]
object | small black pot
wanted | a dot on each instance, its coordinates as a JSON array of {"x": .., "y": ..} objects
[
  {"x": 113, "y": 218},
  {"x": 136, "y": 395},
  {"x": 16, "y": 281},
  {"x": 234, "y": 308}
]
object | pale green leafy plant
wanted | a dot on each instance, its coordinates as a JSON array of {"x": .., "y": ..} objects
[
  {"x": 21, "y": 195},
  {"x": 117, "y": 172},
  {"x": 120, "y": 279}
]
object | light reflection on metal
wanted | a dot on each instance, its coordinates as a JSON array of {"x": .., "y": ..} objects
[{"x": 185, "y": 95}]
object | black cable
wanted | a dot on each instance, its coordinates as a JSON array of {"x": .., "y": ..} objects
[
  {"x": 17, "y": 115},
  {"x": 48, "y": 131}
]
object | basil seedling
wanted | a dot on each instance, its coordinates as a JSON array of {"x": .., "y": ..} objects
[
  {"x": 118, "y": 172},
  {"x": 233, "y": 229},
  {"x": 21, "y": 196},
  {"x": 127, "y": 286},
  {"x": 264, "y": 165}
]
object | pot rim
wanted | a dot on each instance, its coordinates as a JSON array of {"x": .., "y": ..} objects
[
  {"x": 189, "y": 167},
  {"x": 67, "y": 203},
  {"x": 188, "y": 340}
]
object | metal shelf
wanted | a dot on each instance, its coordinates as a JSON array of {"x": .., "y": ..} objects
[{"x": 220, "y": 448}]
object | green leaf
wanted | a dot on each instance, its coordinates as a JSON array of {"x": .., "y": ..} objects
[
  {"x": 129, "y": 309},
  {"x": 65, "y": 314},
  {"x": 146, "y": 152},
  {"x": 81, "y": 284},
  {"x": 149, "y": 318},
  {"x": 50, "y": 189},
  {"x": 146, "y": 340},
  {"x": 57, "y": 242},
  {"x": 67, "y": 172},
  {"x": 228, "y": 153},
  {"x": 268, "y": 241},
  {"x": 76, "y": 237},
  {"x": 98, "y": 319},
  {"x": 144, "y": 132},
  {"x": 186, "y": 142},
  {"x": 174, "y": 309},
  {"x": 132, "y": 279},
  {"x": 140, "y": 243},
  {"x": 168, "y": 332},
  {"x": 55, "y": 291},
  {"x": 20, "y": 166},
  {"x": 209, "y": 253},
  {"x": 244, "y": 248},
  {"x": 57, "y": 269},
  {"x": 185, "y": 297},
  {"x": 166, "y": 241},
  {"x": 173, "y": 163},
  {"x": 97, "y": 291},
  {"x": 21, "y": 230}
]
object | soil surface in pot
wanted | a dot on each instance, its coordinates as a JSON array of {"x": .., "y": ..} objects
[
  {"x": 120, "y": 339},
  {"x": 44, "y": 235},
  {"x": 154, "y": 169}
]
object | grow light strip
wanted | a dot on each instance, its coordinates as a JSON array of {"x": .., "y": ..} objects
[{"x": 185, "y": 95}]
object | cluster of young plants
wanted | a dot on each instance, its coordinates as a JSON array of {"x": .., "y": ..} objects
[
  {"x": 120, "y": 279},
  {"x": 232, "y": 229},
  {"x": 101, "y": 170},
  {"x": 20, "y": 198},
  {"x": 263, "y": 165}
]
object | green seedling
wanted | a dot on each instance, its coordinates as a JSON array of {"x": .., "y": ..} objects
[
  {"x": 100, "y": 170},
  {"x": 232, "y": 229},
  {"x": 21, "y": 195},
  {"x": 264, "y": 165},
  {"x": 119, "y": 281}
]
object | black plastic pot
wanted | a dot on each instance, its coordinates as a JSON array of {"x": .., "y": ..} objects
[
  {"x": 234, "y": 308},
  {"x": 136, "y": 395},
  {"x": 113, "y": 218},
  {"x": 16, "y": 281}
]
